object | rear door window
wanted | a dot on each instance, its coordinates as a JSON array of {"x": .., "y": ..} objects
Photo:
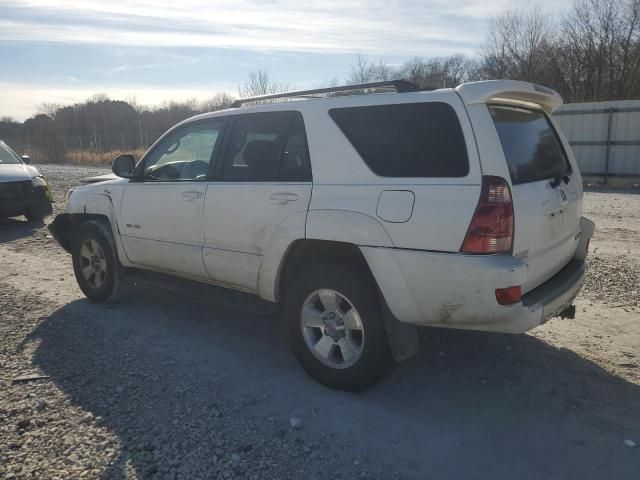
[
  {"x": 266, "y": 147},
  {"x": 530, "y": 144},
  {"x": 406, "y": 140}
]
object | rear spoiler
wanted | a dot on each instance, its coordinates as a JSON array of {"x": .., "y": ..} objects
[{"x": 510, "y": 91}]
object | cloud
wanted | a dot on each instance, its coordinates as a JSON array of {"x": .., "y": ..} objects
[
  {"x": 373, "y": 27},
  {"x": 70, "y": 49}
]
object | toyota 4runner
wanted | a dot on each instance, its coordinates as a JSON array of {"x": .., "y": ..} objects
[{"x": 364, "y": 215}]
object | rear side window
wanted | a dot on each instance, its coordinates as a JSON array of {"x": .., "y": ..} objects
[
  {"x": 530, "y": 144},
  {"x": 265, "y": 147},
  {"x": 406, "y": 140}
]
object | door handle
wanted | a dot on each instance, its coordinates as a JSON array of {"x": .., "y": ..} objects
[
  {"x": 282, "y": 198},
  {"x": 191, "y": 195}
]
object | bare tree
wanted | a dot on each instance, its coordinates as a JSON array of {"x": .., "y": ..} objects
[
  {"x": 219, "y": 101},
  {"x": 48, "y": 109},
  {"x": 591, "y": 54},
  {"x": 518, "y": 45},
  {"x": 600, "y": 50},
  {"x": 259, "y": 83},
  {"x": 365, "y": 71},
  {"x": 439, "y": 72},
  {"x": 329, "y": 83},
  {"x": 360, "y": 71}
]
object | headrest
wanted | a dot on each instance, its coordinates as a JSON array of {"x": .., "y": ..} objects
[{"x": 261, "y": 156}]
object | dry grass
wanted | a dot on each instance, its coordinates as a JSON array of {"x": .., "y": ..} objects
[{"x": 91, "y": 157}]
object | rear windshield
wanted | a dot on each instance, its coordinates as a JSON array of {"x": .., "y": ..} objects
[
  {"x": 530, "y": 144},
  {"x": 406, "y": 140},
  {"x": 7, "y": 156}
]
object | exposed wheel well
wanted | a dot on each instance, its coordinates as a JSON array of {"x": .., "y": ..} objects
[
  {"x": 65, "y": 225},
  {"x": 304, "y": 253},
  {"x": 403, "y": 338}
]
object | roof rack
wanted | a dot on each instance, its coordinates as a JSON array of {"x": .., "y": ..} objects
[{"x": 400, "y": 86}]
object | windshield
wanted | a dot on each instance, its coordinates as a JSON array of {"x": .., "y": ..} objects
[
  {"x": 7, "y": 156},
  {"x": 530, "y": 144}
]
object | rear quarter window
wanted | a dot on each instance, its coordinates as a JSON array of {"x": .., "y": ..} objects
[
  {"x": 530, "y": 144},
  {"x": 406, "y": 140}
]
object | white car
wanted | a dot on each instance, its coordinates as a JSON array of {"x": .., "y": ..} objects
[
  {"x": 23, "y": 190},
  {"x": 364, "y": 215}
]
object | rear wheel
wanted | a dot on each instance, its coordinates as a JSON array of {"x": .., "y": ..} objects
[
  {"x": 95, "y": 263},
  {"x": 335, "y": 327}
]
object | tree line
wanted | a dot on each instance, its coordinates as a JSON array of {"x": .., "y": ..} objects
[{"x": 591, "y": 52}]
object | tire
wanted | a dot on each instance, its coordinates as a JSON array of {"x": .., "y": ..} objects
[
  {"x": 93, "y": 246},
  {"x": 367, "y": 357}
]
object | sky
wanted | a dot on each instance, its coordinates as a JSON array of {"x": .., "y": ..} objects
[{"x": 64, "y": 51}]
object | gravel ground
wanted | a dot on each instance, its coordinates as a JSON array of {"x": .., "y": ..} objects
[{"x": 160, "y": 386}]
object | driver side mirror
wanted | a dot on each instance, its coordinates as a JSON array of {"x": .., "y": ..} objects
[
  {"x": 123, "y": 165},
  {"x": 26, "y": 159}
]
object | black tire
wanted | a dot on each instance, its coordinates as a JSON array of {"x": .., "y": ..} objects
[
  {"x": 98, "y": 231},
  {"x": 375, "y": 359}
]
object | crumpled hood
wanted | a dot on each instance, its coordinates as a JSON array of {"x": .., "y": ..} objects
[{"x": 16, "y": 172}]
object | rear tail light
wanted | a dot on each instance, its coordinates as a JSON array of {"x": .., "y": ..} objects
[
  {"x": 491, "y": 228},
  {"x": 509, "y": 295}
]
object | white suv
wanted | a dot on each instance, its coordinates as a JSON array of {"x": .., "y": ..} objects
[{"x": 364, "y": 215}]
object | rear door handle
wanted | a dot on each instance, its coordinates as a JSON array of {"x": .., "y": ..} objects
[
  {"x": 282, "y": 198},
  {"x": 191, "y": 195}
]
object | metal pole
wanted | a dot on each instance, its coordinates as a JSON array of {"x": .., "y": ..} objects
[
  {"x": 122, "y": 140},
  {"x": 140, "y": 130},
  {"x": 608, "y": 147},
  {"x": 95, "y": 138}
]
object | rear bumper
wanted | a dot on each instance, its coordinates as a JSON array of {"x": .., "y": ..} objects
[
  {"x": 557, "y": 293},
  {"x": 458, "y": 291}
]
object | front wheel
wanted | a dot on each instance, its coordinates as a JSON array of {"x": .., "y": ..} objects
[
  {"x": 335, "y": 328},
  {"x": 95, "y": 262}
]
